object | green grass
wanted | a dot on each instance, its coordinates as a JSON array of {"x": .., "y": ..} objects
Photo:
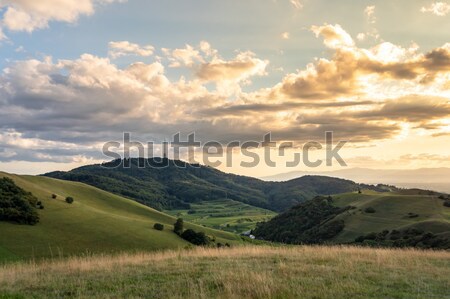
[
  {"x": 240, "y": 272},
  {"x": 391, "y": 213},
  {"x": 97, "y": 222},
  {"x": 225, "y": 214}
]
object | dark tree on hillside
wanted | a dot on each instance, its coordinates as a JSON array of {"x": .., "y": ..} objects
[
  {"x": 158, "y": 226},
  {"x": 69, "y": 199},
  {"x": 178, "y": 226}
]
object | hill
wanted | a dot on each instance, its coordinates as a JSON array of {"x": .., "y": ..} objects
[
  {"x": 384, "y": 218},
  {"x": 240, "y": 272},
  {"x": 430, "y": 178},
  {"x": 96, "y": 222},
  {"x": 180, "y": 184}
]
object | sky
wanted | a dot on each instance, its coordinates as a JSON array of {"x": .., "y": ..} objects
[{"x": 75, "y": 74}]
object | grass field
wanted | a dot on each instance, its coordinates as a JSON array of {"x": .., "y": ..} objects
[
  {"x": 391, "y": 212},
  {"x": 240, "y": 272},
  {"x": 97, "y": 222},
  {"x": 226, "y": 214}
]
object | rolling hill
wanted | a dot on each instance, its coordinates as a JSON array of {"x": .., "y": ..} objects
[
  {"x": 180, "y": 184},
  {"x": 437, "y": 179},
  {"x": 96, "y": 222},
  {"x": 344, "y": 217}
]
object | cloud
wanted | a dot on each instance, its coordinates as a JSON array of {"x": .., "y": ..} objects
[
  {"x": 437, "y": 8},
  {"x": 370, "y": 13},
  {"x": 29, "y": 15},
  {"x": 208, "y": 66},
  {"x": 187, "y": 56},
  {"x": 243, "y": 66},
  {"x": 123, "y": 48},
  {"x": 351, "y": 70},
  {"x": 285, "y": 35},
  {"x": 363, "y": 95},
  {"x": 333, "y": 36},
  {"x": 412, "y": 108},
  {"x": 296, "y": 4}
]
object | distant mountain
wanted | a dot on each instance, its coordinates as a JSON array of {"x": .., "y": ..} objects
[
  {"x": 437, "y": 179},
  {"x": 180, "y": 184}
]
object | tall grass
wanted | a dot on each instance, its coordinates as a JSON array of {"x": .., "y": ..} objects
[{"x": 241, "y": 272}]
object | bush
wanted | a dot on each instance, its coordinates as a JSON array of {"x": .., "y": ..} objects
[
  {"x": 195, "y": 238},
  {"x": 54, "y": 196},
  {"x": 447, "y": 203},
  {"x": 69, "y": 199},
  {"x": 369, "y": 210},
  {"x": 178, "y": 226},
  {"x": 158, "y": 226}
]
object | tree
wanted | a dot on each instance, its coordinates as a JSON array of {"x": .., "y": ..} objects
[
  {"x": 196, "y": 238},
  {"x": 369, "y": 210},
  {"x": 178, "y": 226},
  {"x": 158, "y": 226},
  {"x": 54, "y": 196},
  {"x": 69, "y": 199}
]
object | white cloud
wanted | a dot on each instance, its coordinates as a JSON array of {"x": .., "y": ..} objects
[
  {"x": 285, "y": 35},
  {"x": 370, "y": 13},
  {"x": 29, "y": 15},
  {"x": 123, "y": 48},
  {"x": 438, "y": 8}
]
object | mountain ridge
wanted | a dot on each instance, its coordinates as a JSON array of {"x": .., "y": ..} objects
[{"x": 181, "y": 183}]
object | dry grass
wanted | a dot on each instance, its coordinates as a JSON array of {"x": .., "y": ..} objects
[{"x": 241, "y": 272}]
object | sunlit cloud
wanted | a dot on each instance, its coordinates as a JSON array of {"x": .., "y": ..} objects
[
  {"x": 123, "y": 48},
  {"x": 437, "y": 8}
]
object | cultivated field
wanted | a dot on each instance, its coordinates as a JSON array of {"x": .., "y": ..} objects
[{"x": 239, "y": 272}]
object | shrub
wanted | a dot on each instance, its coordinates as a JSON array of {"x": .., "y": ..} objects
[
  {"x": 196, "y": 238},
  {"x": 192, "y": 211},
  {"x": 413, "y": 215},
  {"x": 369, "y": 210},
  {"x": 447, "y": 203},
  {"x": 360, "y": 239},
  {"x": 69, "y": 199},
  {"x": 158, "y": 226},
  {"x": 54, "y": 196},
  {"x": 178, "y": 226}
]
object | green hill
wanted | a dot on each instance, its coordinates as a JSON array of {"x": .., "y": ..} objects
[
  {"x": 97, "y": 222},
  {"x": 180, "y": 184},
  {"x": 404, "y": 218}
]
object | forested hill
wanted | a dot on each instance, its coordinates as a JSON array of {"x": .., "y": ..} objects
[{"x": 180, "y": 183}]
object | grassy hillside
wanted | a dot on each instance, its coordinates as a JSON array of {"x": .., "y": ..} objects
[
  {"x": 180, "y": 184},
  {"x": 96, "y": 222},
  {"x": 392, "y": 211},
  {"x": 225, "y": 214},
  {"x": 240, "y": 272},
  {"x": 404, "y": 218}
]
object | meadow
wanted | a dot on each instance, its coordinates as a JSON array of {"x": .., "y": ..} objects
[
  {"x": 392, "y": 210},
  {"x": 238, "y": 272},
  {"x": 225, "y": 214}
]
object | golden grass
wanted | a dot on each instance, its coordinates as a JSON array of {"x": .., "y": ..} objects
[{"x": 240, "y": 272}]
